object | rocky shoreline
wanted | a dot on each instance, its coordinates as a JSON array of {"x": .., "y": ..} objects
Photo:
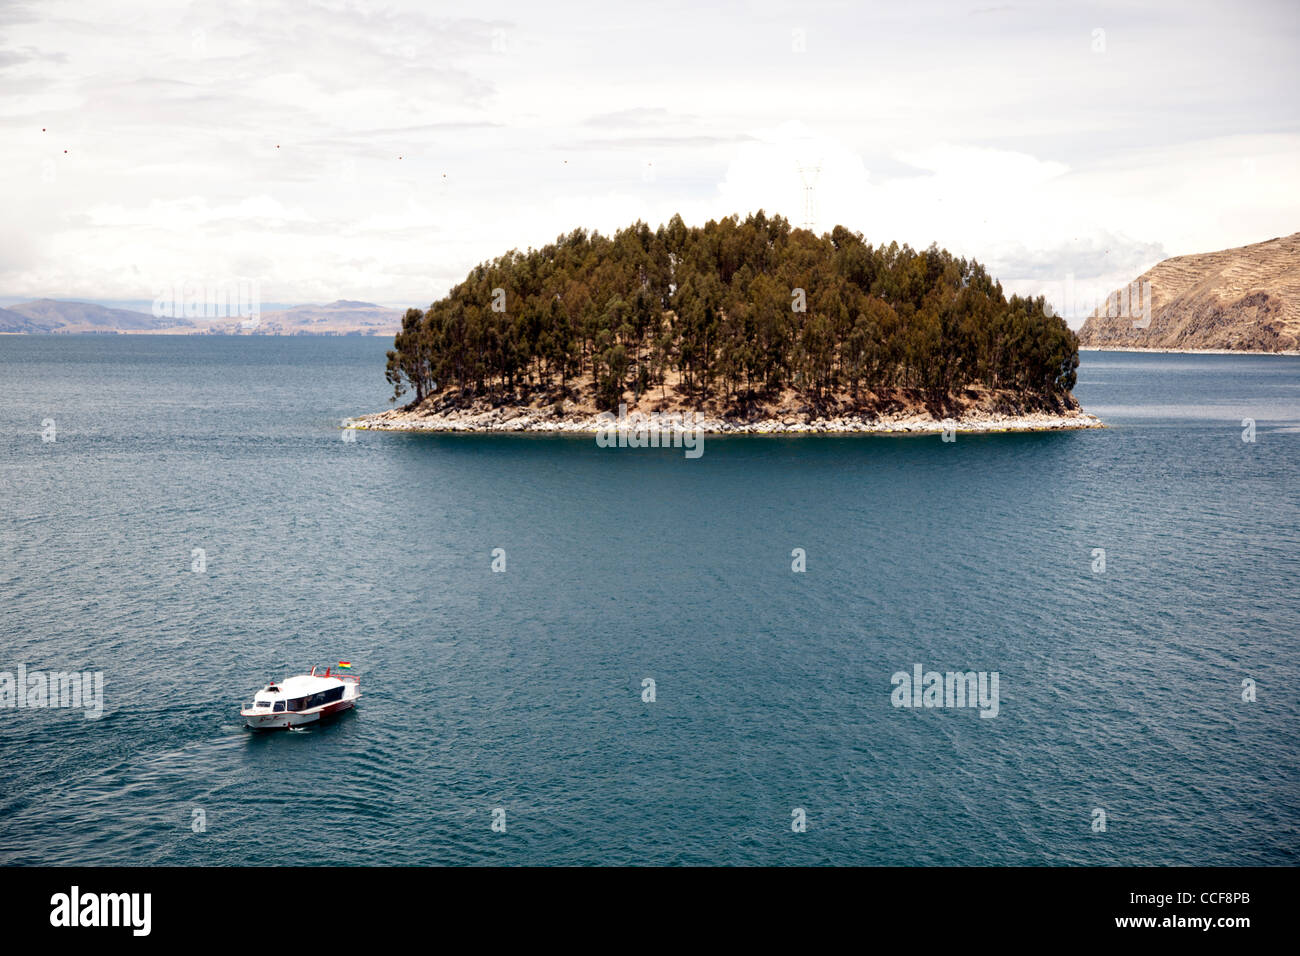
[
  {"x": 513, "y": 418},
  {"x": 1133, "y": 348}
]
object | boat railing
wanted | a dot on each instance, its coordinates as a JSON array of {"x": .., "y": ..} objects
[{"x": 341, "y": 675}]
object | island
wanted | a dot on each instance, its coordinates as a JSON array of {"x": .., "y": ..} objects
[{"x": 740, "y": 326}]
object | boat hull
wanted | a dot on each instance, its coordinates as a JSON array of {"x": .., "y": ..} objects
[{"x": 285, "y": 721}]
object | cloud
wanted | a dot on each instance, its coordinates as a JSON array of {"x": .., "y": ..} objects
[{"x": 378, "y": 151}]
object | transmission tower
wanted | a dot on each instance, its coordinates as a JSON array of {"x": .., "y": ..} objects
[{"x": 809, "y": 175}]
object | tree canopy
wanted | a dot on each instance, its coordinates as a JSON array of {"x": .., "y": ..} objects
[{"x": 730, "y": 308}]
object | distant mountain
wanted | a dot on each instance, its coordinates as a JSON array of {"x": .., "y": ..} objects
[
  {"x": 56, "y": 315},
  {"x": 343, "y": 317},
  {"x": 1245, "y": 299},
  {"x": 11, "y": 321}
]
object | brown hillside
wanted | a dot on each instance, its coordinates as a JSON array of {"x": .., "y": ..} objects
[{"x": 1245, "y": 299}]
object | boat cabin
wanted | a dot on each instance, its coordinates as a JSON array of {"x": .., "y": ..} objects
[{"x": 299, "y": 694}]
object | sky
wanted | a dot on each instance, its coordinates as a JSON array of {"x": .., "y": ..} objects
[{"x": 378, "y": 151}]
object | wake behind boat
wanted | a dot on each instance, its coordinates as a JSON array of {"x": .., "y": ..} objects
[{"x": 303, "y": 699}]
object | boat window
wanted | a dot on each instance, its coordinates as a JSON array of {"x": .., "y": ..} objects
[
  {"x": 325, "y": 697},
  {"x": 279, "y": 705}
]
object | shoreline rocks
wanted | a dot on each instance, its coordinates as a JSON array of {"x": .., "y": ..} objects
[{"x": 506, "y": 419}]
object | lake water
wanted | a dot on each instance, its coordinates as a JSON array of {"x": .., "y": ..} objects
[{"x": 1119, "y": 689}]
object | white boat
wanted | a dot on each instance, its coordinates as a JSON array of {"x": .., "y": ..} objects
[{"x": 303, "y": 699}]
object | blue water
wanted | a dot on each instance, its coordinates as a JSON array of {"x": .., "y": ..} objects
[{"x": 1120, "y": 690}]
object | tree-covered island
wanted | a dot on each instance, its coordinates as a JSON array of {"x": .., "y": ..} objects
[{"x": 743, "y": 320}]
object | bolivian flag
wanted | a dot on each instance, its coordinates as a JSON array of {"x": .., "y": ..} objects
[{"x": 345, "y": 665}]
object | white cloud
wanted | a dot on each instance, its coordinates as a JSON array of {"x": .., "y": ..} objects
[{"x": 414, "y": 143}]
